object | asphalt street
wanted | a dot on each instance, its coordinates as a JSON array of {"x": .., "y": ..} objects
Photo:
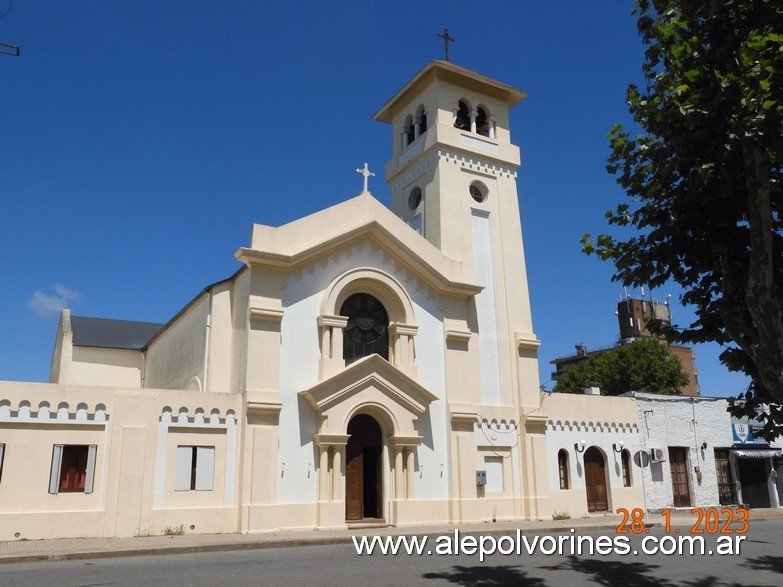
[{"x": 760, "y": 562}]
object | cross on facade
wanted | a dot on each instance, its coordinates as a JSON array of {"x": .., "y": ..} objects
[
  {"x": 365, "y": 171},
  {"x": 446, "y": 38}
]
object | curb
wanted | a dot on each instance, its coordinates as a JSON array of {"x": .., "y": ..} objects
[
  {"x": 311, "y": 541},
  {"x": 269, "y": 544}
]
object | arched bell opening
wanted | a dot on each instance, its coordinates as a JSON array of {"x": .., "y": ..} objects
[
  {"x": 482, "y": 122},
  {"x": 462, "y": 116}
]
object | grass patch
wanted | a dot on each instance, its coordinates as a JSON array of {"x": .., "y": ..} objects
[
  {"x": 177, "y": 531},
  {"x": 561, "y": 516}
]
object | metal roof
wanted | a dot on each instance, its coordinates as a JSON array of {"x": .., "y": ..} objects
[
  {"x": 758, "y": 453},
  {"x": 112, "y": 334}
]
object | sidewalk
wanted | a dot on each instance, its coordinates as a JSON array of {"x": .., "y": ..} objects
[{"x": 85, "y": 548}]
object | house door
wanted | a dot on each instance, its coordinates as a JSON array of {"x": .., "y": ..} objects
[
  {"x": 362, "y": 469},
  {"x": 726, "y": 493},
  {"x": 753, "y": 480},
  {"x": 595, "y": 481},
  {"x": 678, "y": 461}
]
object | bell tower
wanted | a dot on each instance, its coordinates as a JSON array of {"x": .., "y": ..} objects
[{"x": 452, "y": 178}]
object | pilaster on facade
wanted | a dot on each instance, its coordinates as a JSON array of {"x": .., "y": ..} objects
[
  {"x": 331, "y": 361},
  {"x": 331, "y": 464},
  {"x": 404, "y": 450}
]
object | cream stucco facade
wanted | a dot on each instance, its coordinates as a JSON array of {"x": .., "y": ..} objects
[
  {"x": 364, "y": 363},
  {"x": 235, "y": 415}
]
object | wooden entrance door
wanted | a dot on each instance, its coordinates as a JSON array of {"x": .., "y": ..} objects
[
  {"x": 595, "y": 481},
  {"x": 362, "y": 469},
  {"x": 678, "y": 461},
  {"x": 354, "y": 486}
]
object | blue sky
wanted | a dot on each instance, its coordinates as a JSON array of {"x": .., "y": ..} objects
[{"x": 140, "y": 140}]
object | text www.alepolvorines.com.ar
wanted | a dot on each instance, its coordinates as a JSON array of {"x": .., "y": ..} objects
[{"x": 568, "y": 544}]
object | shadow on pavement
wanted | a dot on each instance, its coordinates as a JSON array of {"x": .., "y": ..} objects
[
  {"x": 773, "y": 564},
  {"x": 487, "y": 576},
  {"x": 613, "y": 573}
]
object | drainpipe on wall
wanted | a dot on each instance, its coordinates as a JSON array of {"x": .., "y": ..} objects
[
  {"x": 695, "y": 441},
  {"x": 645, "y": 455},
  {"x": 206, "y": 343}
]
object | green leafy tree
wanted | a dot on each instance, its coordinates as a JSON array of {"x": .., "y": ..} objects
[
  {"x": 644, "y": 365},
  {"x": 704, "y": 180}
]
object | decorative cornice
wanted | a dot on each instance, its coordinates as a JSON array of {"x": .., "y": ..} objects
[
  {"x": 64, "y": 413},
  {"x": 331, "y": 439},
  {"x": 366, "y": 219},
  {"x": 268, "y": 314},
  {"x": 463, "y": 160},
  {"x": 404, "y": 441},
  {"x": 414, "y": 171},
  {"x": 197, "y": 418},
  {"x": 338, "y": 321},
  {"x": 582, "y": 426},
  {"x": 263, "y": 401},
  {"x": 464, "y": 416},
  {"x": 524, "y": 342},
  {"x": 403, "y": 329},
  {"x": 264, "y": 408},
  {"x": 375, "y": 371},
  {"x": 475, "y": 164},
  {"x": 458, "y": 335}
]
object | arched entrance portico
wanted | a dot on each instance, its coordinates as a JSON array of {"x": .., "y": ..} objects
[
  {"x": 368, "y": 399},
  {"x": 363, "y": 469},
  {"x": 595, "y": 480}
]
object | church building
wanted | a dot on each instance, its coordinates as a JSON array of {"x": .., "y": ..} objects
[{"x": 364, "y": 364}]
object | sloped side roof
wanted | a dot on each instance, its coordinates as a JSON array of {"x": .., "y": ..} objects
[{"x": 112, "y": 334}]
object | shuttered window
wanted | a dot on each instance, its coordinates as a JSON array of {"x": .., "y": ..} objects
[
  {"x": 195, "y": 468},
  {"x": 73, "y": 468}
]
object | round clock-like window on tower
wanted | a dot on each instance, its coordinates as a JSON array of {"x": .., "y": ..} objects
[
  {"x": 478, "y": 191},
  {"x": 414, "y": 199}
]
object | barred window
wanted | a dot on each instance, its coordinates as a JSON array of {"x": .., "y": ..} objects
[{"x": 562, "y": 465}]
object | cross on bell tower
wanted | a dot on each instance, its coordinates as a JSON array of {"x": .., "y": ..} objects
[{"x": 446, "y": 38}]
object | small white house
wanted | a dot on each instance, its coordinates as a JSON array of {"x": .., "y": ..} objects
[{"x": 700, "y": 456}]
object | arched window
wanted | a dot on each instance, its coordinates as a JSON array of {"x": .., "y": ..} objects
[
  {"x": 482, "y": 122},
  {"x": 462, "y": 120},
  {"x": 367, "y": 330},
  {"x": 414, "y": 198},
  {"x": 562, "y": 466},
  {"x": 421, "y": 115},
  {"x": 625, "y": 457},
  {"x": 407, "y": 131}
]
